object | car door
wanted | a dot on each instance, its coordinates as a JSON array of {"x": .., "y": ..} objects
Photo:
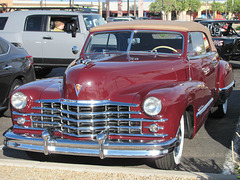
[
  {"x": 203, "y": 63},
  {"x": 6, "y": 71},
  {"x": 32, "y": 36},
  {"x": 57, "y": 45}
]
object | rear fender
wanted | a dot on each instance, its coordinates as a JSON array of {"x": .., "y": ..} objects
[{"x": 226, "y": 81}]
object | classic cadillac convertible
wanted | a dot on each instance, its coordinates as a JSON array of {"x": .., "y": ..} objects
[{"x": 136, "y": 91}]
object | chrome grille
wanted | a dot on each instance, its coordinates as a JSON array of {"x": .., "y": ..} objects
[{"x": 87, "y": 118}]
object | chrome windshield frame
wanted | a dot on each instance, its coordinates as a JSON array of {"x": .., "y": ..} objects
[{"x": 130, "y": 41}]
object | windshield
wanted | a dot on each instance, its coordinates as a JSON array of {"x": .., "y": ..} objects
[
  {"x": 140, "y": 41},
  {"x": 93, "y": 20}
]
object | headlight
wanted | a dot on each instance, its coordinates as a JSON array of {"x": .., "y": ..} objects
[
  {"x": 152, "y": 106},
  {"x": 18, "y": 100}
]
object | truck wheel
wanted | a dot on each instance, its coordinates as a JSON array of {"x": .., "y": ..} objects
[
  {"x": 171, "y": 160},
  {"x": 16, "y": 83},
  {"x": 222, "y": 110}
]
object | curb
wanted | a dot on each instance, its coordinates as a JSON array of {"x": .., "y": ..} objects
[{"x": 15, "y": 169}]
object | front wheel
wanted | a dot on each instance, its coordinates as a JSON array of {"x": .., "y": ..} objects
[{"x": 171, "y": 160}]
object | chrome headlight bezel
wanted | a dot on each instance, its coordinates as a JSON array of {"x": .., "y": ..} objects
[
  {"x": 152, "y": 106},
  {"x": 19, "y": 100}
]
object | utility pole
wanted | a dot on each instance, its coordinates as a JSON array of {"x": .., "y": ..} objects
[
  {"x": 135, "y": 9},
  {"x": 128, "y": 10},
  {"x": 99, "y": 7}
]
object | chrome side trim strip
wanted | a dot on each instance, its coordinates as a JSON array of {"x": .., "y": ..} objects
[
  {"x": 227, "y": 87},
  {"x": 203, "y": 108}
]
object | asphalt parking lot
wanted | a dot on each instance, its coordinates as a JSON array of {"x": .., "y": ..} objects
[{"x": 209, "y": 151}]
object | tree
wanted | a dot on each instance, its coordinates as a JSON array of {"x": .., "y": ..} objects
[
  {"x": 162, "y": 5},
  {"x": 233, "y": 8},
  {"x": 217, "y": 6},
  {"x": 193, "y": 5}
]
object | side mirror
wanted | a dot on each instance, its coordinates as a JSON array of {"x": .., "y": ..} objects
[
  {"x": 75, "y": 50},
  {"x": 71, "y": 27},
  {"x": 198, "y": 50}
]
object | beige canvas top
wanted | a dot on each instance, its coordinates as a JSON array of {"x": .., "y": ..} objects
[{"x": 183, "y": 26}]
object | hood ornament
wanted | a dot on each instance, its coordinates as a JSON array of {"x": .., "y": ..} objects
[{"x": 78, "y": 88}]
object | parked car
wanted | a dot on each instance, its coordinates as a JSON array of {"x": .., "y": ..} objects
[
  {"x": 225, "y": 37},
  {"x": 144, "y": 18},
  {"x": 138, "y": 89},
  {"x": 16, "y": 68},
  {"x": 122, "y": 19},
  {"x": 155, "y": 18},
  {"x": 110, "y": 19},
  {"x": 34, "y": 31}
]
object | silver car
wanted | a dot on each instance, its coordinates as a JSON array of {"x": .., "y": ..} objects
[{"x": 34, "y": 30}]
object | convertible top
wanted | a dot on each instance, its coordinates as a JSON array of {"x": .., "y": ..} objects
[
  {"x": 182, "y": 26},
  {"x": 152, "y": 24}
]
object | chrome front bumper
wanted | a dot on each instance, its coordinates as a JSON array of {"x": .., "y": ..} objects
[{"x": 102, "y": 147}]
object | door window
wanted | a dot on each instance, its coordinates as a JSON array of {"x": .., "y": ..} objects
[
  {"x": 3, "y": 47},
  {"x": 34, "y": 23},
  {"x": 197, "y": 44},
  {"x": 63, "y": 23}
]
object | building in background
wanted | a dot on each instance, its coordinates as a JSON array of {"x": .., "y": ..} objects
[{"x": 116, "y": 8}]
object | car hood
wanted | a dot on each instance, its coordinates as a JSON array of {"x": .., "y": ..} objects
[{"x": 119, "y": 78}]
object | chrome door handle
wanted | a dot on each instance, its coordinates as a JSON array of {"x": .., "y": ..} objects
[
  {"x": 7, "y": 67},
  {"x": 47, "y": 37}
]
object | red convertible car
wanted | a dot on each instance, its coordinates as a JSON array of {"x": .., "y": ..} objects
[{"x": 136, "y": 91}]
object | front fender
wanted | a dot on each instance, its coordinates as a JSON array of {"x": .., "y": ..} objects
[{"x": 176, "y": 99}]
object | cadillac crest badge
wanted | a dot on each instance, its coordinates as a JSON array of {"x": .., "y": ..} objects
[{"x": 78, "y": 88}]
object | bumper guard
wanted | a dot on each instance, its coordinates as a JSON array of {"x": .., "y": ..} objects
[{"x": 102, "y": 147}]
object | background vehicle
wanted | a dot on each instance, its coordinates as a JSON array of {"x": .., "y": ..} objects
[
  {"x": 143, "y": 18},
  {"x": 33, "y": 30},
  {"x": 138, "y": 89},
  {"x": 225, "y": 37},
  {"x": 122, "y": 19},
  {"x": 16, "y": 68}
]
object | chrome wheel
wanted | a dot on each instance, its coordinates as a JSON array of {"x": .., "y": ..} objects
[{"x": 177, "y": 153}]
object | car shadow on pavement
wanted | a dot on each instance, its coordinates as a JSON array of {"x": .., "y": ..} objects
[
  {"x": 199, "y": 165},
  {"x": 222, "y": 130},
  {"x": 83, "y": 160}
]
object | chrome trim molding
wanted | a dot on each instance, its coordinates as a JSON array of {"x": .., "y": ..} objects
[
  {"x": 85, "y": 102},
  {"x": 203, "y": 108},
  {"x": 227, "y": 87},
  {"x": 93, "y": 136},
  {"x": 102, "y": 147}
]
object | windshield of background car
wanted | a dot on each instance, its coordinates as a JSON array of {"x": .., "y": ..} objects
[
  {"x": 93, "y": 20},
  {"x": 141, "y": 41}
]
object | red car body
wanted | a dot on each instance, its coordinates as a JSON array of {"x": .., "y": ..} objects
[{"x": 133, "y": 103}]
